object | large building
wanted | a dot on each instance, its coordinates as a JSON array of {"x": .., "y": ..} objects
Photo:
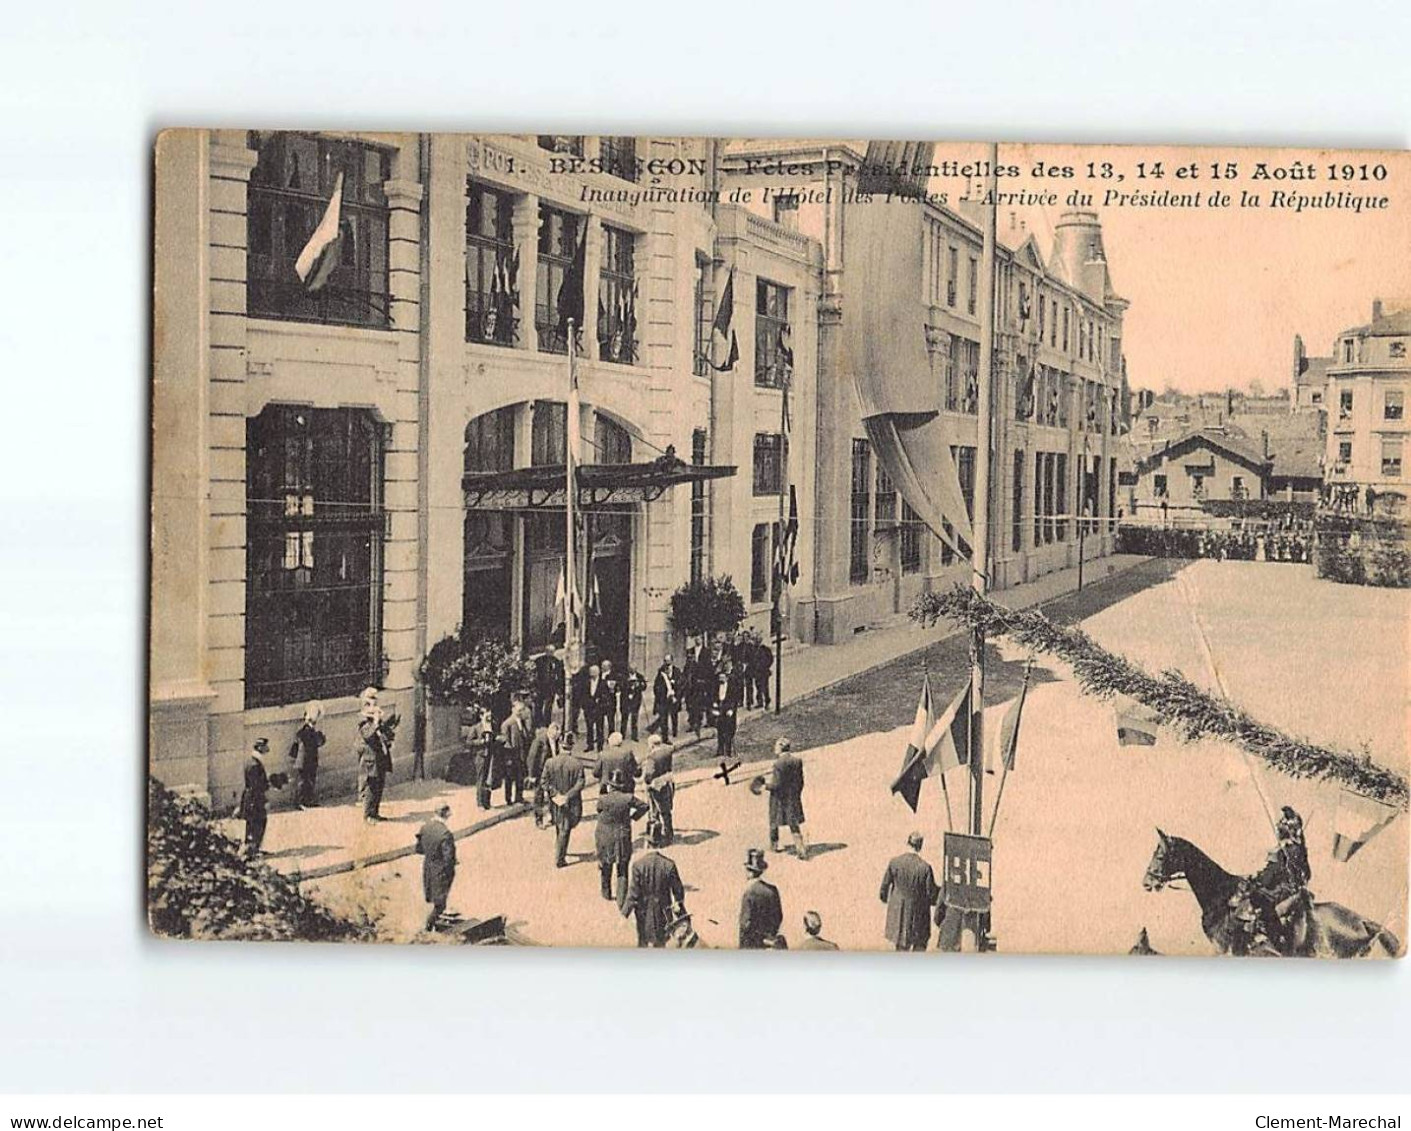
[
  {"x": 1367, "y": 382},
  {"x": 344, "y": 476}
]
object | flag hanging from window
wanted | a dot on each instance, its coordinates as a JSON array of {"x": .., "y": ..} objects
[
  {"x": 721, "y": 327},
  {"x": 320, "y": 254},
  {"x": 786, "y": 566},
  {"x": 570, "y": 296}
]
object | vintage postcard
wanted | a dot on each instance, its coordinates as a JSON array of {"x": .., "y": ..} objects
[{"x": 779, "y": 544}]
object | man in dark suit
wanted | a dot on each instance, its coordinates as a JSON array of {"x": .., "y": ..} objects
[
  {"x": 761, "y": 912},
  {"x": 656, "y": 896},
  {"x": 254, "y": 798},
  {"x": 482, "y": 742},
  {"x": 563, "y": 778},
  {"x": 438, "y": 867},
  {"x": 813, "y": 933},
  {"x": 373, "y": 756},
  {"x": 630, "y": 691},
  {"x": 616, "y": 759},
  {"x": 612, "y": 701},
  {"x": 578, "y": 698},
  {"x": 724, "y": 712},
  {"x": 514, "y": 748},
  {"x": 909, "y": 890},
  {"x": 595, "y": 696},
  {"x": 661, "y": 791},
  {"x": 544, "y": 747},
  {"x": 785, "y": 785},
  {"x": 548, "y": 686},
  {"x": 617, "y": 809},
  {"x": 666, "y": 700},
  {"x": 763, "y": 666}
]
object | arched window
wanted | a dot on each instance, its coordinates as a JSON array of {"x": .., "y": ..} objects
[
  {"x": 489, "y": 538},
  {"x": 313, "y": 594},
  {"x": 612, "y": 443}
]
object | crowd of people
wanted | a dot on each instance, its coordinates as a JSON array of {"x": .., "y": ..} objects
[{"x": 1276, "y": 543}]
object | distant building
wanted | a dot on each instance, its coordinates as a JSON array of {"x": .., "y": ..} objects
[
  {"x": 1310, "y": 378},
  {"x": 1366, "y": 401},
  {"x": 1203, "y": 465}
]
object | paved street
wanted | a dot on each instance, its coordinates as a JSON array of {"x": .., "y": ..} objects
[{"x": 1076, "y": 885}]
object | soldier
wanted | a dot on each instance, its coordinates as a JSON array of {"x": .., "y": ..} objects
[
  {"x": 544, "y": 747},
  {"x": 661, "y": 791},
  {"x": 563, "y": 778},
  {"x": 761, "y": 913},
  {"x": 617, "y": 809},
  {"x": 666, "y": 699},
  {"x": 514, "y": 746},
  {"x": 617, "y": 758},
  {"x": 374, "y": 757},
  {"x": 254, "y": 798},
  {"x": 813, "y": 933},
  {"x": 909, "y": 890},
  {"x": 656, "y": 896},
  {"x": 785, "y": 785},
  {"x": 436, "y": 844}
]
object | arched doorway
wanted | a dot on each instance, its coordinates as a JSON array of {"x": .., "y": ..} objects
[{"x": 610, "y": 559}]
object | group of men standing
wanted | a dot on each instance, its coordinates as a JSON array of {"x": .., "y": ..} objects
[{"x": 712, "y": 687}]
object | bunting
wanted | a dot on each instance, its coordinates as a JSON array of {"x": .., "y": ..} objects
[{"x": 320, "y": 255}]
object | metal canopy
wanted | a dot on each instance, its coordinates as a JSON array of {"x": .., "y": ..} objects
[{"x": 600, "y": 485}]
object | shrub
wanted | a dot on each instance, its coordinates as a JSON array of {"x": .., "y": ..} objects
[
  {"x": 709, "y": 607},
  {"x": 199, "y": 886},
  {"x": 472, "y": 670}
]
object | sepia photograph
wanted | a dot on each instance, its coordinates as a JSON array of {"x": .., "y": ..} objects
[{"x": 710, "y": 543}]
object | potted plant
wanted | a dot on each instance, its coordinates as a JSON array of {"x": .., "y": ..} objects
[
  {"x": 464, "y": 673},
  {"x": 707, "y": 608}
]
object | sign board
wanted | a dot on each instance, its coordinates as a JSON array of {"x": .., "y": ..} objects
[{"x": 966, "y": 872}]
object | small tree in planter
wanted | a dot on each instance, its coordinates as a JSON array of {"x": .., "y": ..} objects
[
  {"x": 707, "y": 608},
  {"x": 471, "y": 671}
]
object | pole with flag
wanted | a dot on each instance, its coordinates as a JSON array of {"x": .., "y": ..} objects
[
  {"x": 570, "y": 311},
  {"x": 786, "y": 366},
  {"x": 1007, "y": 741},
  {"x": 320, "y": 254},
  {"x": 934, "y": 746}
]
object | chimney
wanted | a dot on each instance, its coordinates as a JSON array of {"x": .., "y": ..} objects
[
  {"x": 1376, "y": 310},
  {"x": 1265, "y": 436}
]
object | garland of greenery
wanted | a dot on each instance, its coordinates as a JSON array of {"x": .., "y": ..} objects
[{"x": 1193, "y": 713}]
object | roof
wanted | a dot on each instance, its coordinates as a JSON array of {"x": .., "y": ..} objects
[
  {"x": 1391, "y": 325},
  {"x": 1236, "y": 447},
  {"x": 1315, "y": 371},
  {"x": 1297, "y": 457},
  {"x": 599, "y": 484}
]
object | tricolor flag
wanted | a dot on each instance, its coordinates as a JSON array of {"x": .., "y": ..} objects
[
  {"x": 724, "y": 315},
  {"x": 948, "y": 744},
  {"x": 320, "y": 254},
  {"x": 914, "y": 767},
  {"x": 786, "y": 565},
  {"x": 1136, "y": 722},
  {"x": 570, "y": 296},
  {"x": 1359, "y": 818},
  {"x": 1006, "y": 739},
  {"x": 560, "y": 613}
]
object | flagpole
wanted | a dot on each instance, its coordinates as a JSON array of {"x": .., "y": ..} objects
[
  {"x": 1004, "y": 777},
  {"x": 778, "y": 611},
  {"x": 981, "y": 547},
  {"x": 570, "y": 580}
]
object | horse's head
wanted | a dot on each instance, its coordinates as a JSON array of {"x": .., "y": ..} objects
[{"x": 1161, "y": 871}]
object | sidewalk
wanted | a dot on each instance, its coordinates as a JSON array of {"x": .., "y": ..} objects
[{"x": 310, "y": 844}]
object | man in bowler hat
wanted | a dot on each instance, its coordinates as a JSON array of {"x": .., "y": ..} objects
[
  {"x": 617, "y": 809},
  {"x": 761, "y": 912},
  {"x": 563, "y": 777},
  {"x": 437, "y": 846},
  {"x": 909, "y": 890}
]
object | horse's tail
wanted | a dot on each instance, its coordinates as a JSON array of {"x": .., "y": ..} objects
[{"x": 1387, "y": 941}]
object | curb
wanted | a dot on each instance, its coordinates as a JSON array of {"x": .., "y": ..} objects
[{"x": 523, "y": 808}]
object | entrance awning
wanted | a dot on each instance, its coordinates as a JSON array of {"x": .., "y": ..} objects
[{"x": 600, "y": 485}]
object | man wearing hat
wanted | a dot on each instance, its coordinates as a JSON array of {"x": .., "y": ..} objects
[
  {"x": 813, "y": 933},
  {"x": 661, "y": 791},
  {"x": 374, "y": 757},
  {"x": 254, "y": 798},
  {"x": 785, "y": 785},
  {"x": 617, "y": 809},
  {"x": 544, "y": 747},
  {"x": 563, "y": 778},
  {"x": 655, "y": 896},
  {"x": 514, "y": 747},
  {"x": 438, "y": 868},
  {"x": 761, "y": 913},
  {"x": 909, "y": 890}
]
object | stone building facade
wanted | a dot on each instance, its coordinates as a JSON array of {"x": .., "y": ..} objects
[{"x": 1367, "y": 383}]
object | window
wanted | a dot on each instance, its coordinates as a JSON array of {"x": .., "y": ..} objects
[
  {"x": 858, "y": 569},
  {"x": 619, "y": 156},
  {"x": 290, "y": 188},
  {"x": 1058, "y": 498},
  {"x": 612, "y": 443},
  {"x": 773, "y": 353},
  {"x": 489, "y": 535},
  {"x": 1344, "y": 404},
  {"x": 759, "y": 563},
  {"x": 617, "y": 297},
  {"x": 1391, "y": 458},
  {"x": 1158, "y": 485},
  {"x": 548, "y": 434},
  {"x": 1344, "y": 451},
  {"x": 912, "y": 530},
  {"x": 1112, "y": 489},
  {"x": 786, "y": 211},
  {"x": 1053, "y": 325},
  {"x": 1016, "y": 534},
  {"x": 491, "y": 267},
  {"x": 1198, "y": 486},
  {"x": 700, "y": 357},
  {"x": 699, "y": 514},
  {"x": 952, "y": 276},
  {"x": 769, "y": 457},
  {"x": 1317, "y": 398},
  {"x": 1393, "y": 405},
  {"x": 313, "y": 590},
  {"x": 560, "y": 143},
  {"x": 559, "y": 233},
  {"x": 1043, "y": 302},
  {"x": 886, "y": 498},
  {"x": 1347, "y": 350},
  {"x": 1040, "y": 499},
  {"x": 974, "y": 285},
  {"x": 1065, "y": 329},
  {"x": 963, "y": 376},
  {"x": 1237, "y": 486}
]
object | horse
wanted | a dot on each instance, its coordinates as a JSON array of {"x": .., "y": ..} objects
[{"x": 1328, "y": 930}]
